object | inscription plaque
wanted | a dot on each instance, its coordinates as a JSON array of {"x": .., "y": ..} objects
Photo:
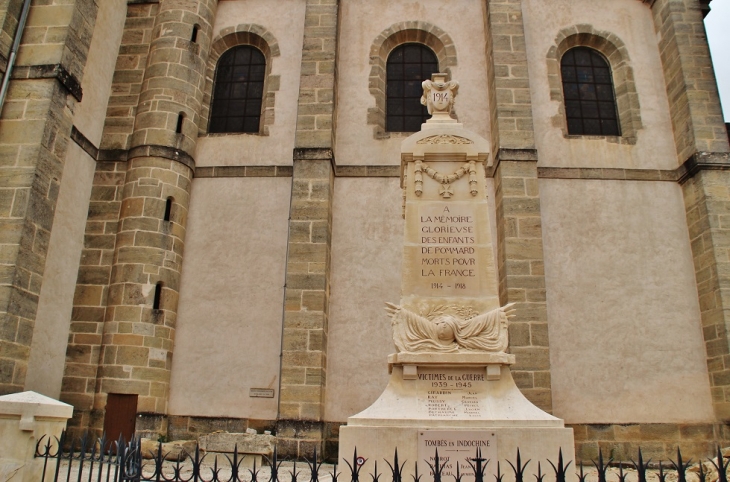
[
  {"x": 261, "y": 393},
  {"x": 448, "y": 261},
  {"x": 457, "y": 448},
  {"x": 454, "y": 394}
]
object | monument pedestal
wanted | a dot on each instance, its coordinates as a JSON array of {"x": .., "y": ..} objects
[
  {"x": 455, "y": 402},
  {"x": 25, "y": 419}
]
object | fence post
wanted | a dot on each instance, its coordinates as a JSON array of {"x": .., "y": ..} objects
[{"x": 25, "y": 418}]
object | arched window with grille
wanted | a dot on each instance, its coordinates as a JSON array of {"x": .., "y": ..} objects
[
  {"x": 238, "y": 91},
  {"x": 590, "y": 100},
  {"x": 407, "y": 67}
]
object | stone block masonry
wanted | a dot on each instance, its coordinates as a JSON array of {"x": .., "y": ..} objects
[
  {"x": 511, "y": 116},
  {"x": 690, "y": 80},
  {"x": 139, "y": 326},
  {"x": 9, "y": 14},
  {"x": 34, "y": 133},
  {"x": 522, "y": 274},
  {"x": 701, "y": 143},
  {"x": 103, "y": 221},
  {"x": 304, "y": 339},
  {"x": 174, "y": 77},
  {"x": 317, "y": 83},
  {"x": 707, "y": 199},
  {"x": 92, "y": 289},
  {"x": 128, "y": 75},
  {"x": 122, "y": 325},
  {"x": 658, "y": 441},
  {"x": 158, "y": 83},
  {"x": 519, "y": 225}
]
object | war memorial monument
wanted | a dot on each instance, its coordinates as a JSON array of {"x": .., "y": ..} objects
[{"x": 450, "y": 385}]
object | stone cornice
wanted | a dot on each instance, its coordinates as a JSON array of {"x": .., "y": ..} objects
[
  {"x": 244, "y": 171},
  {"x": 704, "y": 5},
  {"x": 84, "y": 143},
  {"x": 50, "y": 71},
  {"x": 703, "y": 161},
  {"x": 700, "y": 161},
  {"x": 123, "y": 155},
  {"x": 511, "y": 154},
  {"x": 165, "y": 152}
]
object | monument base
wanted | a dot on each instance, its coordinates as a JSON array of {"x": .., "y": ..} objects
[{"x": 455, "y": 403}]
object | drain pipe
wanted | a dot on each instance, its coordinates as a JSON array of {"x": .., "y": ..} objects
[{"x": 14, "y": 52}]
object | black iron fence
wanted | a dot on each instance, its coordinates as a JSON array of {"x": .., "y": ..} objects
[{"x": 100, "y": 460}]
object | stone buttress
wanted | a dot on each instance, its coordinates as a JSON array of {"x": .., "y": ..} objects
[
  {"x": 139, "y": 324},
  {"x": 35, "y": 130},
  {"x": 300, "y": 424}
]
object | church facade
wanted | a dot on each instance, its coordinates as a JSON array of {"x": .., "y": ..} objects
[{"x": 201, "y": 209}]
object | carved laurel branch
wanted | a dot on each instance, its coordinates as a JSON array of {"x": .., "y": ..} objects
[{"x": 445, "y": 139}]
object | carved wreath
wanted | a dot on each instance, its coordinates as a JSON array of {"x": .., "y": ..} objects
[{"x": 445, "y": 139}]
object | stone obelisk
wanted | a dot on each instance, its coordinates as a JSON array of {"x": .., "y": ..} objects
[{"x": 450, "y": 382}]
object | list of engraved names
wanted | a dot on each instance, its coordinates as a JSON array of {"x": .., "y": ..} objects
[{"x": 451, "y": 393}]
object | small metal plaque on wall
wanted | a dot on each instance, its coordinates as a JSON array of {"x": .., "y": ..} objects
[{"x": 261, "y": 392}]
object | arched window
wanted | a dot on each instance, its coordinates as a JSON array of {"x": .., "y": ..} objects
[
  {"x": 590, "y": 101},
  {"x": 408, "y": 66},
  {"x": 238, "y": 91}
]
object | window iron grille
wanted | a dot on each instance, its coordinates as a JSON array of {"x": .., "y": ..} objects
[
  {"x": 238, "y": 91},
  {"x": 408, "y": 66},
  {"x": 590, "y": 101}
]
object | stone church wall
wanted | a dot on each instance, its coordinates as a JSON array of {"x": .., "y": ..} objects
[
  {"x": 237, "y": 240},
  {"x": 633, "y": 28},
  {"x": 229, "y": 330},
  {"x": 623, "y": 322},
  {"x": 284, "y": 21},
  {"x": 359, "y": 141},
  {"x": 367, "y": 253},
  {"x": 610, "y": 328}
]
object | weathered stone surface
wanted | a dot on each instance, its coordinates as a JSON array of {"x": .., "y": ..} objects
[
  {"x": 246, "y": 443},
  {"x": 175, "y": 450}
]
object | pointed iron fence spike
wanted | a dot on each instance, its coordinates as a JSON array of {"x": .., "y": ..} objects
[
  {"x": 416, "y": 477},
  {"x": 722, "y": 468},
  {"x": 661, "y": 474},
  {"x": 719, "y": 458}
]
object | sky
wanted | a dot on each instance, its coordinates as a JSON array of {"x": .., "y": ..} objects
[{"x": 717, "y": 24}]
